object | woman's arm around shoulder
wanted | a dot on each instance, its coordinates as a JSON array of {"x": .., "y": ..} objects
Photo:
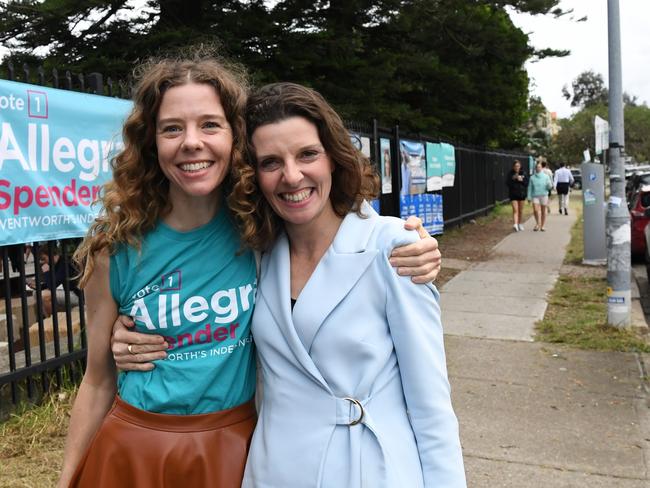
[
  {"x": 421, "y": 258},
  {"x": 413, "y": 314},
  {"x": 98, "y": 387}
]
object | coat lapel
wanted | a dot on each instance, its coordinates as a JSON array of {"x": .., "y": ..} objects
[
  {"x": 275, "y": 290},
  {"x": 338, "y": 271}
]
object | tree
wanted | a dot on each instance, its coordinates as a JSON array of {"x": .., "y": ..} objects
[
  {"x": 531, "y": 134},
  {"x": 577, "y": 133},
  {"x": 446, "y": 67},
  {"x": 637, "y": 131},
  {"x": 588, "y": 89}
]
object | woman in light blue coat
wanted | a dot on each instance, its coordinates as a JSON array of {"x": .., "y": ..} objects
[{"x": 352, "y": 356}]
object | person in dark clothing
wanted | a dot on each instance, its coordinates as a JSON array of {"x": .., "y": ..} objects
[
  {"x": 517, "y": 183},
  {"x": 57, "y": 271}
]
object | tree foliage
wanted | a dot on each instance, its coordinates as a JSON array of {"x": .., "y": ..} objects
[
  {"x": 590, "y": 94},
  {"x": 450, "y": 67},
  {"x": 577, "y": 133},
  {"x": 530, "y": 134},
  {"x": 587, "y": 89}
]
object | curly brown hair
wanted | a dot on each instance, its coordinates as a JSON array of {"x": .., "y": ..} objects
[
  {"x": 137, "y": 197},
  {"x": 353, "y": 179}
]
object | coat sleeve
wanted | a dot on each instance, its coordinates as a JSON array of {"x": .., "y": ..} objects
[{"x": 413, "y": 314}]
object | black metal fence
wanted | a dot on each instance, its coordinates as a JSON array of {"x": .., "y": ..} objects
[
  {"x": 480, "y": 183},
  {"x": 43, "y": 343},
  {"x": 42, "y": 324}
]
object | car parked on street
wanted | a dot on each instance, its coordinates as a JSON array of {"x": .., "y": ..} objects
[
  {"x": 639, "y": 218},
  {"x": 635, "y": 181},
  {"x": 577, "y": 179}
]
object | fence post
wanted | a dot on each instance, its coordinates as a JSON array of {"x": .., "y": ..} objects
[
  {"x": 397, "y": 173},
  {"x": 10, "y": 68},
  {"x": 95, "y": 82},
  {"x": 68, "y": 80}
]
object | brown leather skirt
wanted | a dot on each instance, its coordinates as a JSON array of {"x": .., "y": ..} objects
[{"x": 135, "y": 448}]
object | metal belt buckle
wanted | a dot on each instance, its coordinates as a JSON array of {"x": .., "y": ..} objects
[{"x": 358, "y": 404}]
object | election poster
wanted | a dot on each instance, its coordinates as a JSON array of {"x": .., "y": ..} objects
[
  {"x": 413, "y": 167},
  {"x": 434, "y": 166},
  {"x": 385, "y": 163},
  {"x": 448, "y": 164},
  {"x": 362, "y": 143},
  {"x": 426, "y": 206},
  {"x": 55, "y": 153}
]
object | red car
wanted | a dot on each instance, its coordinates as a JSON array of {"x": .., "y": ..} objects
[{"x": 639, "y": 216}]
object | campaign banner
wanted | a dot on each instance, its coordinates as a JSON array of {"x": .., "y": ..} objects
[
  {"x": 55, "y": 152},
  {"x": 413, "y": 167},
  {"x": 448, "y": 164},
  {"x": 427, "y": 206},
  {"x": 385, "y": 163},
  {"x": 531, "y": 165},
  {"x": 434, "y": 166}
]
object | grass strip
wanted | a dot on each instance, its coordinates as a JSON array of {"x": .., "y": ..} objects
[
  {"x": 575, "y": 249},
  {"x": 31, "y": 441},
  {"x": 577, "y": 307},
  {"x": 576, "y": 315}
]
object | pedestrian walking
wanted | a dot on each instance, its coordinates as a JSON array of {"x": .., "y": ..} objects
[
  {"x": 538, "y": 188},
  {"x": 549, "y": 173},
  {"x": 563, "y": 181},
  {"x": 517, "y": 183}
]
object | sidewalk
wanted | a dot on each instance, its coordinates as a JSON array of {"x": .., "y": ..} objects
[{"x": 534, "y": 414}]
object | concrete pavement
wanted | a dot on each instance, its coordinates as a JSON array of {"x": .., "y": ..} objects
[{"x": 534, "y": 414}]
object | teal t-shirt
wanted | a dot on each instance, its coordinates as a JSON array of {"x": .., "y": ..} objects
[{"x": 197, "y": 291}]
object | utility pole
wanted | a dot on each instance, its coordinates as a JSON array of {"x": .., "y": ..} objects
[{"x": 619, "y": 296}]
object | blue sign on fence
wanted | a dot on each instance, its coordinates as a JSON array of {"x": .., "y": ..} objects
[
  {"x": 434, "y": 166},
  {"x": 55, "y": 152},
  {"x": 427, "y": 206}
]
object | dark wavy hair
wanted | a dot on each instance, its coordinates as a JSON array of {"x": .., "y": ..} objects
[
  {"x": 137, "y": 197},
  {"x": 353, "y": 179}
]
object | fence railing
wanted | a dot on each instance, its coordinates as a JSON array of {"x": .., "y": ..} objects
[
  {"x": 90, "y": 83},
  {"x": 42, "y": 324},
  {"x": 42, "y": 330}
]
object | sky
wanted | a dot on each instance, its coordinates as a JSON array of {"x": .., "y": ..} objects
[{"x": 587, "y": 42}]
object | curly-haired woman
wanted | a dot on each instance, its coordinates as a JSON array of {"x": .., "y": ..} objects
[{"x": 166, "y": 251}]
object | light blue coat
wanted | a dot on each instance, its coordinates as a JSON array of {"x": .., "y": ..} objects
[{"x": 358, "y": 330}]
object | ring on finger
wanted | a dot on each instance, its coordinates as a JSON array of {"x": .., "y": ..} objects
[{"x": 130, "y": 348}]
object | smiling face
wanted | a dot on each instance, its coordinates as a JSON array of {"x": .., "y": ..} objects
[
  {"x": 194, "y": 141},
  {"x": 294, "y": 172},
  {"x": 516, "y": 167}
]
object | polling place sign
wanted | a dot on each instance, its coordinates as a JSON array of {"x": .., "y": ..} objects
[{"x": 55, "y": 152}]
